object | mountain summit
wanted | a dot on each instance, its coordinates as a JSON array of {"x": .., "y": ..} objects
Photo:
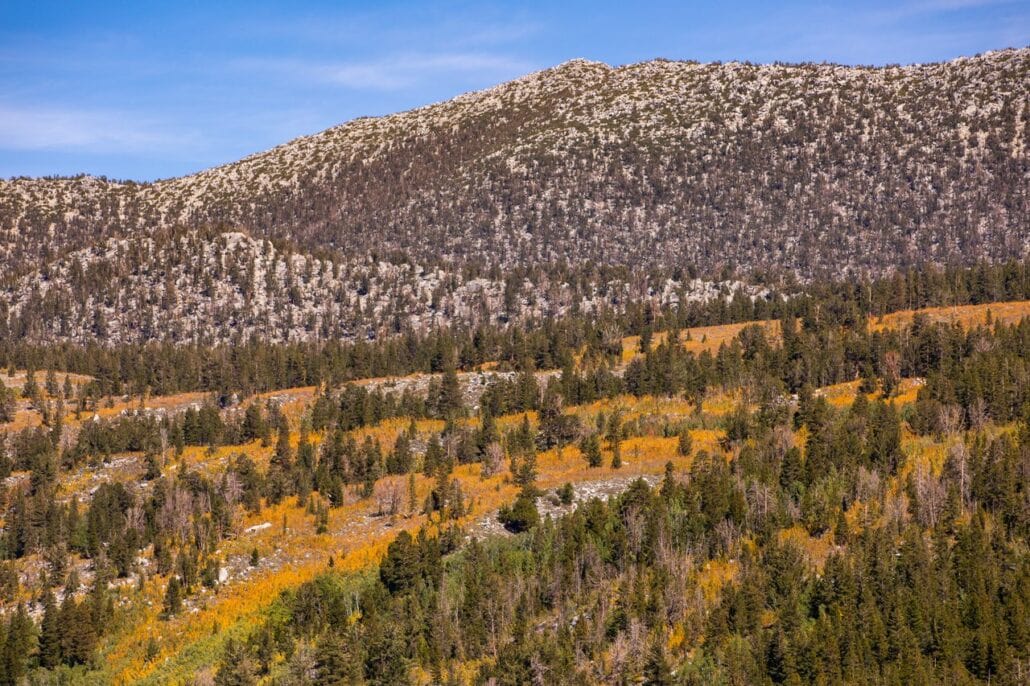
[{"x": 677, "y": 169}]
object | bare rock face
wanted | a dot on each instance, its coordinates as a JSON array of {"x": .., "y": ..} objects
[{"x": 573, "y": 188}]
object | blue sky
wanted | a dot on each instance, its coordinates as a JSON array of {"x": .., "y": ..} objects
[{"x": 151, "y": 90}]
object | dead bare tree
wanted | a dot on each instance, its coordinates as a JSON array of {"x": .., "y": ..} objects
[
  {"x": 389, "y": 496},
  {"x": 895, "y": 509},
  {"x": 635, "y": 530},
  {"x": 782, "y": 441},
  {"x": 949, "y": 419},
  {"x": 956, "y": 469},
  {"x": 892, "y": 369},
  {"x": 728, "y": 535},
  {"x": 175, "y": 513},
  {"x": 760, "y": 501},
  {"x": 930, "y": 496},
  {"x": 978, "y": 414},
  {"x": 492, "y": 460},
  {"x": 135, "y": 518}
]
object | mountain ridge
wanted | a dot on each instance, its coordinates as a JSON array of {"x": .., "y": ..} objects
[
  {"x": 659, "y": 168},
  {"x": 571, "y": 64}
]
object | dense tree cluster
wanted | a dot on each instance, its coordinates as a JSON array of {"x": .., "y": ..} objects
[
  {"x": 244, "y": 368},
  {"x": 927, "y": 589},
  {"x": 925, "y": 579},
  {"x": 903, "y": 538}
]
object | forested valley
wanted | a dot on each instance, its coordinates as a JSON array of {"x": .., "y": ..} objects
[
  {"x": 824, "y": 488},
  {"x": 668, "y": 372}
]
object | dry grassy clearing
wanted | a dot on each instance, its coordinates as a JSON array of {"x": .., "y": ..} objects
[
  {"x": 699, "y": 339},
  {"x": 966, "y": 315},
  {"x": 841, "y": 394},
  {"x": 709, "y": 338}
]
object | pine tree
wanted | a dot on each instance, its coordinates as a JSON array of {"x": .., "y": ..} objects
[
  {"x": 254, "y": 425},
  {"x": 30, "y": 389},
  {"x": 153, "y": 465},
  {"x": 283, "y": 456},
  {"x": 656, "y": 670},
  {"x": 237, "y": 668},
  {"x": 322, "y": 522},
  {"x": 524, "y": 471},
  {"x": 566, "y": 494},
  {"x": 400, "y": 459},
  {"x": 521, "y": 440},
  {"x": 385, "y": 661},
  {"x": 487, "y": 434},
  {"x": 7, "y": 404},
  {"x": 590, "y": 446},
  {"x": 451, "y": 402},
  {"x": 791, "y": 468},
  {"x": 173, "y": 597},
  {"x": 99, "y": 607},
  {"x": 50, "y": 383},
  {"x": 556, "y": 428},
  {"x": 521, "y": 516},
  {"x": 400, "y": 566},
  {"x": 334, "y": 663},
  {"x": 50, "y": 634},
  {"x": 685, "y": 444},
  {"x": 412, "y": 494},
  {"x": 616, "y": 455},
  {"x": 280, "y": 481},
  {"x": 16, "y": 645},
  {"x": 434, "y": 457},
  {"x": 78, "y": 633},
  {"x": 669, "y": 485},
  {"x": 57, "y": 423}
]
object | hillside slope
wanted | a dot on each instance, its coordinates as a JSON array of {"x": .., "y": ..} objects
[
  {"x": 671, "y": 168},
  {"x": 761, "y": 165},
  {"x": 217, "y": 287}
]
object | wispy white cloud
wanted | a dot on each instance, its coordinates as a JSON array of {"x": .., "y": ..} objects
[
  {"x": 496, "y": 34},
  {"x": 399, "y": 71},
  {"x": 402, "y": 71},
  {"x": 903, "y": 31},
  {"x": 428, "y": 29},
  {"x": 931, "y": 8},
  {"x": 49, "y": 128},
  {"x": 951, "y": 5}
]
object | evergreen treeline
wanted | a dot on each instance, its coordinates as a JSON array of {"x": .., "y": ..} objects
[{"x": 164, "y": 368}]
